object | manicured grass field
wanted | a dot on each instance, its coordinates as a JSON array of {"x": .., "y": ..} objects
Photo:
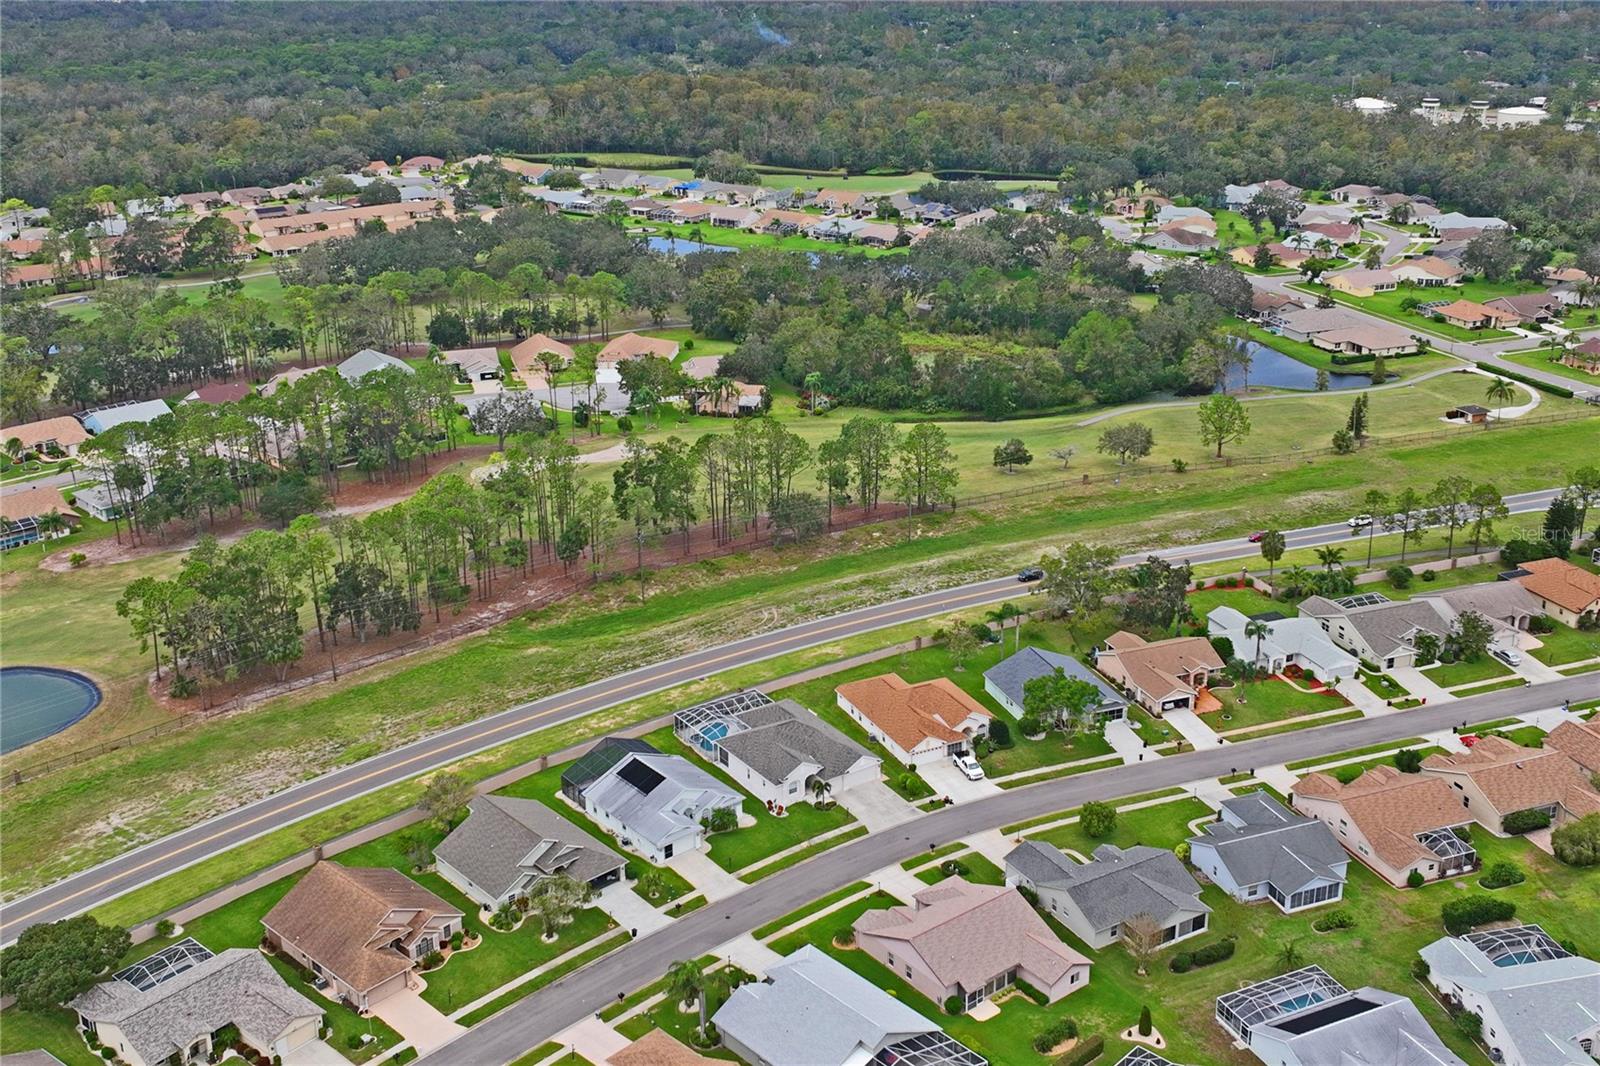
[
  {"x": 1259, "y": 702},
  {"x": 1161, "y": 826},
  {"x": 53, "y": 1031},
  {"x": 1447, "y": 675},
  {"x": 1246, "y": 601},
  {"x": 1542, "y": 360},
  {"x": 1387, "y": 305},
  {"x": 1567, "y": 645}
]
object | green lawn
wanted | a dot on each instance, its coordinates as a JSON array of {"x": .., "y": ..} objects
[
  {"x": 1567, "y": 645},
  {"x": 1547, "y": 360},
  {"x": 1383, "y": 686},
  {"x": 1259, "y": 702},
  {"x": 978, "y": 870},
  {"x": 1233, "y": 230},
  {"x": 1399, "y": 368},
  {"x": 1448, "y": 675},
  {"x": 54, "y": 1031},
  {"x": 1246, "y": 601},
  {"x": 738, "y": 238},
  {"x": 1387, "y": 304},
  {"x": 1161, "y": 826}
]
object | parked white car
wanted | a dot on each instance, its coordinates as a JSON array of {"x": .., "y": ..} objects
[
  {"x": 1509, "y": 656},
  {"x": 968, "y": 766}
]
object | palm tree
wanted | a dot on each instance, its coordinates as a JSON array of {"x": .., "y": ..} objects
[
  {"x": 1003, "y": 614},
  {"x": 686, "y": 983},
  {"x": 1289, "y": 956},
  {"x": 1500, "y": 393},
  {"x": 50, "y": 524},
  {"x": 550, "y": 362},
  {"x": 1257, "y": 630},
  {"x": 813, "y": 384},
  {"x": 1296, "y": 578},
  {"x": 820, "y": 788},
  {"x": 1330, "y": 557}
]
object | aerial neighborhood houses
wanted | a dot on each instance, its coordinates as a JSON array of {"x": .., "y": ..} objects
[
  {"x": 1163, "y": 675},
  {"x": 652, "y": 803},
  {"x": 1379, "y": 630},
  {"x": 917, "y": 723},
  {"x": 508, "y": 845},
  {"x": 1100, "y": 901},
  {"x": 1259, "y": 849}
]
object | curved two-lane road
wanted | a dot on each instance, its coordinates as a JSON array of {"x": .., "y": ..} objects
[{"x": 113, "y": 878}]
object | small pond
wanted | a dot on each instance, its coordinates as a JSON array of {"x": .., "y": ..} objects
[
  {"x": 37, "y": 702},
  {"x": 1268, "y": 366},
  {"x": 684, "y": 246}
]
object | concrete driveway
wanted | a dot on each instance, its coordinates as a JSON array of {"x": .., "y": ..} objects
[
  {"x": 876, "y": 806},
  {"x": 315, "y": 1053},
  {"x": 948, "y": 781},
  {"x": 419, "y": 1021}
]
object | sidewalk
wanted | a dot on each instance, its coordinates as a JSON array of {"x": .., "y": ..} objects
[{"x": 1419, "y": 684}]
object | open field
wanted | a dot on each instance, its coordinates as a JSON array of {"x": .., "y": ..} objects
[{"x": 89, "y": 812}]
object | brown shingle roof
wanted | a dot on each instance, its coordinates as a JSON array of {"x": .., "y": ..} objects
[
  {"x": 1580, "y": 741},
  {"x": 1391, "y": 808},
  {"x": 1558, "y": 581},
  {"x": 344, "y": 918},
  {"x": 968, "y": 933},
  {"x": 631, "y": 345},
  {"x": 1513, "y": 777},
  {"x": 909, "y": 714},
  {"x": 64, "y": 430},
  {"x": 659, "y": 1048},
  {"x": 524, "y": 354},
  {"x": 35, "y": 501},
  {"x": 1155, "y": 668}
]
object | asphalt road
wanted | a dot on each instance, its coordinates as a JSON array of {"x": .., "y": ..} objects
[
  {"x": 530, "y": 1022},
  {"x": 113, "y": 878}
]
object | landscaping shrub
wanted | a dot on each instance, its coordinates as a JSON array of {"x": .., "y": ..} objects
[
  {"x": 1429, "y": 575},
  {"x": 1465, "y": 912},
  {"x": 1098, "y": 819},
  {"x": 1502, "y": 874},
  {"x": 1346, "y": 774},
  {"x": 953, "y": 868},
  {"x": 1028, "y": 894},
  {"x": 1214, "y": 952},
  {"x": 1089, "y": 1049},
  {"x": 77, "y": 560},
  {"x": 1519, "y": 550},
  {"x": 108, "y": 1053},
  {"x": 353, "y": 1041},
  {"x": 1057, "y": 1031},
  {"x": 1030, "y": 725},
  {"x": 1339, "y": 919},
  {"x": 624, "y": 424},
  {"x": 164, "y": 928},
  {"x": 1470, "y": 1024},
  {"x": 999, "y": 734},
  {"x": 433, "y": 960},
  {"x": 721, "y": 820},
  {"x": 456, "y": 940},
  {"x": 1181, "y": 850},
  {"x": 1541, "y": 624},
  {"x": 1182, "y": 962},
  {"x": 1144, "y": 1020},
  {"x": 1419, "y": 969},
  {"x": 847, "y": 936},
  {"x": 1399, "y": 576},
  {"x": 954, "y": 1005},
  {"x": 1408, "y": 760},
  {"x": 1032, "y": 993},
  {"x": 1526, "y": 821},
  {"x": 1223, "y": 647},
  {"x": 1578, "y": 843}
]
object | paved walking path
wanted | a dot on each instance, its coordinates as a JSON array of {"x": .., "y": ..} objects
[{"x": 1277, "y": 776}]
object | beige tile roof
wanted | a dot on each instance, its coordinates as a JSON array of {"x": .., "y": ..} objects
[
  {"x": 1432, "y": 264},
  {"x": 1391, "y": 808},
  {"x": 35, "y": 501},
  {"x": 1561, "y": 583},
  {"x": 343, "y": 917},
  {"x": 968, "y": 933},
  {"x": 1580, "y": 741},
  {"x": 632, "y": 345},
  {"x": 1155, "y": 667},
  {"x": 1468, "y": 311},
  {"x": 1513, "y": 777},
  {"x": 65, "y": 431},
  {"x": 660, "y": 1048},
  {"x": 909, "y": 714}
]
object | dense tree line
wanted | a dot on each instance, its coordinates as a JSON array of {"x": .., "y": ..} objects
[{"x": 1189, "y": 96}]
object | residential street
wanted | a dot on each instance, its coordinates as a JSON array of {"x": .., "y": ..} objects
[
  {"x": 531, "y": 1021},
  {"x": 157, "y": 859}
]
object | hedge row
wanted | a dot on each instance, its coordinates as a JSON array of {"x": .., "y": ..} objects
[
  {"x": 1216, "y": 951},
  {"x": 1554, "y": 390}
]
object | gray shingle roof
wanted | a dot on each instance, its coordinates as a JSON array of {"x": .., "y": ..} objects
[
  {"x": 1274, "y": 845},
  {"x": 366, "y": 361},
  {"x": 783, "y": 735},
  {"x": 1011, "y": 674},
  {"x": 1392, "y": 1032},
  {"x": 1386, "y": 627},
  {"x": 1117, "y": 885},
  {"x": 504, "y": 839},
  {"x": 814, "y": 1011},
  {"x": 238, "y": 986},
  {"x": 677, "y": 802}
]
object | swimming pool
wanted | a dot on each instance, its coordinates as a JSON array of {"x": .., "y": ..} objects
[{"x": 38, "y": 701}]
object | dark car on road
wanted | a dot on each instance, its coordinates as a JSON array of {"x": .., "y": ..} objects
[{"x": 1031, "y": 573}]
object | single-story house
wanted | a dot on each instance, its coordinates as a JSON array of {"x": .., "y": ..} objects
[
  {"x": 1472, "y": 413},
  {"x": 633, "y": 345},
  {"x": 1306, "y": 1018},
  {"x": 1138, "y": 206},
  {"x": 840, "y": 201},
  {"x": 421, "y": 164},
  {"x": 1585, "y": 356},
  {"x": 107, "y": 503},
  {"x": 219, "y": 392},
  {"x": 1498, "y": 777},
  {"x": 782, "y": 222},
  {"x": 1337, "y": 232},
  {"x": 701, "y": 367},
  {"x": 1263, "y": 301},
  {"x": 918, "y": 723},
  {"x": 1428, "y": 271},
  {"x": 22, "y": 508},
  {"x": 525, "y": 353},
  {"x": 101, "y": 419},
  {"x": 1180, "y": 238},
  {"x": 659, "y": 1048},
  {"x": 1096, "y": 899},
  {"x": 1505, "y": 603},
  {"x": 367, "y": 361},
  {"x": 1373, "y": 339},
  {"x": 970, "y": 941},
  {"x": 1282, "y": 255},
  {"x": 1302, "y": 323},
  {"x": 744, "y": 399},
  {"x": 1383, "y": 631},
  {"x": 812, "y": 1010},
  {"x": 1565, "y": 592},
  {"x": 52, "y": 436},
  {"x": 474, "y": 364},
  {"x": 1534, "y": 308},
  {"x": 361, "y": 929},
  {"x": 654, "y": 803},
  {"x": 1355, "y": 194},
  {"x": 1394, "y": 823},
  {"x": 1005, "y": 681},
  {"x": 1470, "y": 315},
  {"x": 1539, "y": 1003},
  {"x": 1453, "y": 220},
  {"x": 1362, "y": 282},
  {"x": 1289, "y": 642},
  {"x": 878, "y": 234},
  {"x": 779, "y": 751},
  {"x": 168, "y": 1007},
  {"x": 593, "y": 764},
  {"x": 1323, "y": 215},
  {"x": 1166, "y": 675},
  {"x": 1259, "y": 849},
  {"x": 1579, "y": 741},
  {"x": 507, "y": 846}
]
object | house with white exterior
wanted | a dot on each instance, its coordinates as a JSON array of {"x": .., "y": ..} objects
[
  {"x": 507, "y": 846},
  {"x": 1259, "y": 849},
  {"x": 919, "y": 723},
  {"x": 1006, "y": 680},
  {"x": 1372, "y": 627},
  {"x": 1097, "y": 899},
  {"x": 369, "y": 360},
  {"x": 780, "y": 751},
  {"x": 1289, "y": 642},
  {"x": 1539, "y": 1002},
  {"x": 655, "y": 803}
]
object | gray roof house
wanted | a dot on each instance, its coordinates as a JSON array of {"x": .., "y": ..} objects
[
  {"x": 508, "y": 845},
  {"x": 1094, "y": 899},
  {"x": 1306, "y": 1018},
  {"x": 654, "y": 803},
  {"x": 777, "y": 750},
  {"x": 1006, "y": 678},
  {"x": 812, "y": 1010},
  {"x": 150, "y": 1014},
  {"x": 1540, "y": 1004},
  {"x": 103, "y": 418},
  {"x": 368, "y": 360},
  {"x": 1259, "y": 849},
  {"x": 592, "y": 764},
  {"x": 1384, "y": 631}
]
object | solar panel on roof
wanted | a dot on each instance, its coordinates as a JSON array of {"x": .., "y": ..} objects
[
  {"x": 1312, "y": 1020},
  {"x": 641, "y": 776}
]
